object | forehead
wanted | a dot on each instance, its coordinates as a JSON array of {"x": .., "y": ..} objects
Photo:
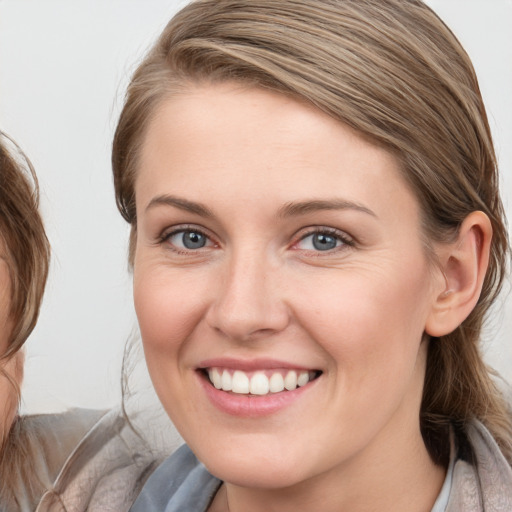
[{"x": 213, "y": 136}]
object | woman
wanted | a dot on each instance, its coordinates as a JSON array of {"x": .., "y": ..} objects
[
  {"x": 317, "y": 235},
  {"x": 24, "y": 259},
  {"x": 33, "y": 448}
]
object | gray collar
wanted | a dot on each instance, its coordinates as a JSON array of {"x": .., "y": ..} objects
[{"x": 482, "y": 478}]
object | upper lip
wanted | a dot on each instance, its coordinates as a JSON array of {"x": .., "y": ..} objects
[{"x": 251, "y": 364}]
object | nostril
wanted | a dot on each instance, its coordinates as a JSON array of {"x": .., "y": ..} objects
[{"x": 247, "y": 326}]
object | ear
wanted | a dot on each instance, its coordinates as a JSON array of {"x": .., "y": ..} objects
[{"x": 463, "y": 264}]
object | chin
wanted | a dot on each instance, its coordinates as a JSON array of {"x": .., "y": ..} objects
[
  {"x": 255, "y": 475},
  {"x": 253, "y": 467}
]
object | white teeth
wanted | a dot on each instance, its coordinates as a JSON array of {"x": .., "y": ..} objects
[
  {"x": 240, "y": 383},
  {"x": 276, "y": 383},
  {"x": 259, "y": 383},
  {"x": 303, "y": 378},
  {"x": 227, "y": 383},
  {"x": 215, "y": 378},
  {"x": 290, "y": 381}
]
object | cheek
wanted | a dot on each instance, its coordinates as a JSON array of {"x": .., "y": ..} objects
[
  {"x": 370, "y": 323},
  {"x": 372, "y": 334},
  {"x": 168, "y": 307}
]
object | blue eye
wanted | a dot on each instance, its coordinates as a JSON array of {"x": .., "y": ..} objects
[
  {"x": 188, "y": 239},
  {"x": 321, "y": 241}
]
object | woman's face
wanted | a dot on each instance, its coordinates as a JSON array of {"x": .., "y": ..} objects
[{"x": 278, "y": 249}]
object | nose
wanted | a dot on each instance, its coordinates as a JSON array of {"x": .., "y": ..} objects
[{"x": 249, "y": 302}]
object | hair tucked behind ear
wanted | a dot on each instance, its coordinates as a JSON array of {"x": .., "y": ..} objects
[{"x": 393, "y": 71}]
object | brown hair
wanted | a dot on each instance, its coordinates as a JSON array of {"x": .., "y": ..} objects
[
  {"x": 26, "y": 251},
  {"x": 393, "y": 71},
  {"x": 24, "y": 241}
]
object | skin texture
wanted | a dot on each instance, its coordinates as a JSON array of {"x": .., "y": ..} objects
[
  {"x": 260, "y": 289},
  {"x": 12, "y": 367}
]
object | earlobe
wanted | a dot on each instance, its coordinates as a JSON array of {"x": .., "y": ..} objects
[{"x": 464, "y": 265}]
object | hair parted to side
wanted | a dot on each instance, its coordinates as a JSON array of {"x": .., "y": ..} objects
[{"x": 394, "y": 72}]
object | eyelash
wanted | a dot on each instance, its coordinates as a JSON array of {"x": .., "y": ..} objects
[{"x": 340, "y": 236}]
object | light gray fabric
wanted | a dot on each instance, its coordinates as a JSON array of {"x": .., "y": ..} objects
[
  {"x": 484, "y": 482},
  {"x": 107, "y": 470},
  {"x": 37, "y": 447},
  {"x": 481, "y": 480}
]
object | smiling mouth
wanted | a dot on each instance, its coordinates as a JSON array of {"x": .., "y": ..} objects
[{"x": 259, "y": 382}]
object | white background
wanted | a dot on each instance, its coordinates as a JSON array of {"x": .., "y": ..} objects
[{"x": 64, "y": 65}]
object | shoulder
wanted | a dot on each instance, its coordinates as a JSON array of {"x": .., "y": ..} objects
[
  {"x": 36, "y": 449},
  {"x": 58, "y": 434},
  {"x": 180, "y": 483},
  {"x": 107, "y": 469}
]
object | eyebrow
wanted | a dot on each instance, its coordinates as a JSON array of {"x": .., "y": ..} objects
[
  {"x": 304, "y": 207},
  {"x": 288, "y": 210},
  {"x": 182, "y": 204}
]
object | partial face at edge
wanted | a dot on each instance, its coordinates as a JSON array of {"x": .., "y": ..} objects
[
  {"x": 5, "y": 304},
  {"x": 14, "y": 366},
  {"x": 273, "y": 239}
]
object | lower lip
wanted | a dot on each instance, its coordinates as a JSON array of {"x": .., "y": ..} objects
[{"x": 252, "y": 406}]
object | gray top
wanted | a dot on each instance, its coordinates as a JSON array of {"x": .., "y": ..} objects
[
  {"x": 479, "y": 479},
  {"x": 180, "y": 484}
]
